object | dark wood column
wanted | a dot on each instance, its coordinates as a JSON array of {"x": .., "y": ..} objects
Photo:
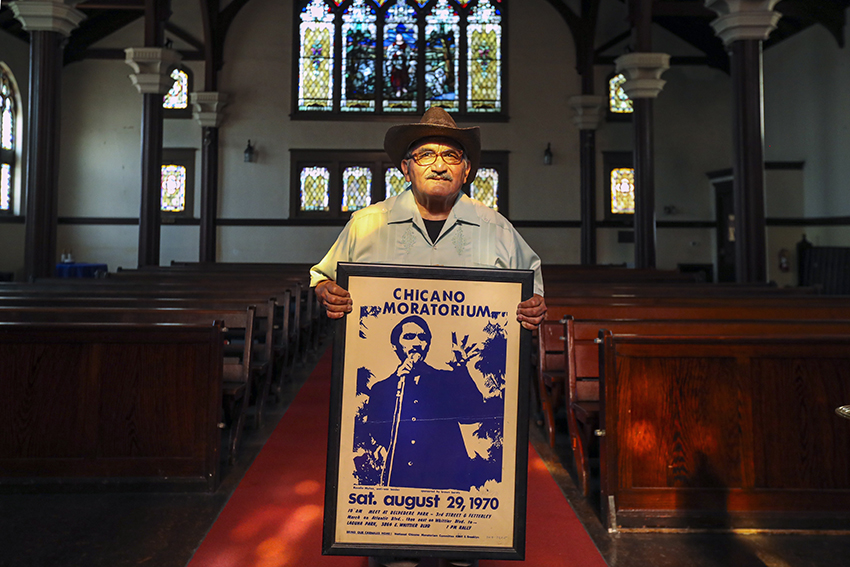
[
  {"x": 587, "y": 155},
  {"x": 209, "y": 195},
  {"x": 644, "y": 162},
  {"x": 149, "y": 213},
  {"x": 42, "y": 178},
  {"x": 748, "y": 167}
]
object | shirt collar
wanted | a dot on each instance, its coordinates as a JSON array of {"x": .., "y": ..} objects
[{"x": 404, "y": 209}]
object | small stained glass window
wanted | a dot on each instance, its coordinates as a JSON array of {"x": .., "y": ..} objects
[
  {"x": 618, "y": 101},
  {"x": 356, "y": 188},
  {"x": 8, "y": 139},
  {"x": 622, "y": 191},
  {"x": 173, "y": 188},
  {"x": 485, "y": 187},
  {"x": 485, "y": 57},
  {"x": 178, "y": 97},
  {"x": 315, "y": 188},
  {"x": 5, "y": 186},
  {"x": 315, "y": 88},
  {"x": 394, "y": 182}
]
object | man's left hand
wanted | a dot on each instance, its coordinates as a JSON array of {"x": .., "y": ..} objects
[{"x": 531, "y": 312}]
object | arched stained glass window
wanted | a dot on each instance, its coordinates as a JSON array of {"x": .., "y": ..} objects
[
  {"x": 178, "y": 97},
  {"x": 173, "y": 188},
  {"x": 622, "y": 191},
  {"x": 8, "y": 138},
  {"x": 394, "y": 181},
  {"x": 315, "y": 184},
  {"x": 316, "y": 65},
  {"x": 485, "y": 187},
  {"x": 618, "y": 101},
  {"x": 367, "y": 57},
  {"x": 356, "y": 188}
]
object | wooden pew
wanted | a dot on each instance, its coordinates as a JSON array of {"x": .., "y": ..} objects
[
  {"x": 110, "y": 406},
  {"x": 730, "y": 427},
  {"x": 237, "y": 324}
]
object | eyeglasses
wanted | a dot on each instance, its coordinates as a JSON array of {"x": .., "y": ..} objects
[{"x": 450, "y": 157}]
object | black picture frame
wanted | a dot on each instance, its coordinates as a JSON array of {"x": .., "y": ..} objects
[{"x": 366, "y": 524}]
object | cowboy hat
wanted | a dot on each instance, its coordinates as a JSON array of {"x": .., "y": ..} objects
[{"x": 435, "y": 122}]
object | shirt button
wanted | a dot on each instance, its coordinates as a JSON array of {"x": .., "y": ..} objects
[
  {"x": 412, "y": 419},
  {"x": 415, "y": 401},
  {"x": 413, "y": 441},
  {"x": 410, "y": 463}
]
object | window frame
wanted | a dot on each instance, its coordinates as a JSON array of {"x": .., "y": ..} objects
[
  {"x": 378, "y": 113},
  {"x": 337, "y": 160},
  {"x": 186, "y": 158},
  {"x": 614, "y": 160}
]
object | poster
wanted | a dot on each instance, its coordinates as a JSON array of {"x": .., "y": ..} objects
[{"x": 427, "y": 449}]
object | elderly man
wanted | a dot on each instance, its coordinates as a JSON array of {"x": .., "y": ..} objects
[{"x": 433, "y": 223}]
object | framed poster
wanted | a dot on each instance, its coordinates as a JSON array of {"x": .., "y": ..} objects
[{"x": 428, "y": 438}]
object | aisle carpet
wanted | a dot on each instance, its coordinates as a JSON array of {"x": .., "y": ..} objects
[{"x": 274, "y": 517}]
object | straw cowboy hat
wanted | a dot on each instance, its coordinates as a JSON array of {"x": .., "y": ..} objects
[{"x": 435, "y": 122}]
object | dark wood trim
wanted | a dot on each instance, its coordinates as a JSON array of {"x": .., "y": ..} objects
[
  {"x": 768, "y": 166},
  {"x": 209, "y": 195},
  {"x": 13, "y": 219},
  {"x": 587, "y": 140}
]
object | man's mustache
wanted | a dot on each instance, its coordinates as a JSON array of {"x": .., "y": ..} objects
[{"x": 441, "y": 176}]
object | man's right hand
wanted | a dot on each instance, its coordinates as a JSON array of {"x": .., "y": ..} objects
[{"x": 335, "y": 299}]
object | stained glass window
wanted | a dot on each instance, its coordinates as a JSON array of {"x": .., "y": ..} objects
[
  {"x": 401, "y": 42},
  {"x": 618, "y": 101},
  {"x": 8, "y": 138},
  {"x": 395, "y": 55},
  {"x": 315, "y": 184},
  {"x": 359, "y": 32},
  {"x": 622, "y": 190},
  {"x": 356, "y": 188},
  {"x": 178, "y": 96},
  {"x": 485, "y": 187},
  {"x": 442, "y": 36},
  {"x": 316, "y": 64},
  {"x": 485, "y": 56},
  {"x": 394, "y": 182},
  {"x": 173, "y": 188}
]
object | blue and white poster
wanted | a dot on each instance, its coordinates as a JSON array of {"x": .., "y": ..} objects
[{"x": 428, "y": 435}]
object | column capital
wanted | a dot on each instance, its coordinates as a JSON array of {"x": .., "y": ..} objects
[
  {"x": 588, "y": 111},
  {"x": 48, "y": 15},
  {"x": 152, "y": 66},
  {"x": 207, "y": 108},
  {"x": 743, "y": 19},
  {"x": 643, "y": 73}
]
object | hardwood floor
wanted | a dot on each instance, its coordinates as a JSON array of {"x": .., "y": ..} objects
[{"x": 163, "y": 530}]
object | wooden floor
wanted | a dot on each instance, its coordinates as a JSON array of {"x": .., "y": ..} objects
[{"x": 163, "y": 530}]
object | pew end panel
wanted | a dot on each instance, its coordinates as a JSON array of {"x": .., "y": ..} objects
[
  {"x": 99, "y": 406},
  {"x": 725, "y": 432}
]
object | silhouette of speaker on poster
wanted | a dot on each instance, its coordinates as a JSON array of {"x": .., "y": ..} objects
[{"x": 427, "y": 448}]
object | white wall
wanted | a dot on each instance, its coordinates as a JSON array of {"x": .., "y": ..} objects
[{"x": 101, "y": 115}]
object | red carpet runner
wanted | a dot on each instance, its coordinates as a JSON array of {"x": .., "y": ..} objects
[{"x": 274, "y": 517}]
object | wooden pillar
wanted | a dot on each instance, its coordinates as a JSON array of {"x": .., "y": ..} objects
[
  {"x": 208, "y": 112},
  {"x": 643, "y": 71},
  {"x": 743, "y": 25},
  {"x": 587, "y": 117},
  {"x": 47, "y": 34}
]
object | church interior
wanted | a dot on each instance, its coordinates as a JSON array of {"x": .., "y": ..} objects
[{"x": 675, "y": 164}]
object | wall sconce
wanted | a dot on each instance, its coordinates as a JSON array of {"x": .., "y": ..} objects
[
  {"x": 547, "y": 154},
  {"x": 249, "y": 153}
]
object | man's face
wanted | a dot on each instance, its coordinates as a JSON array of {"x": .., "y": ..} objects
[
  {"x": 413, "y": 338},
  {"x": 439, "y": 180}
]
